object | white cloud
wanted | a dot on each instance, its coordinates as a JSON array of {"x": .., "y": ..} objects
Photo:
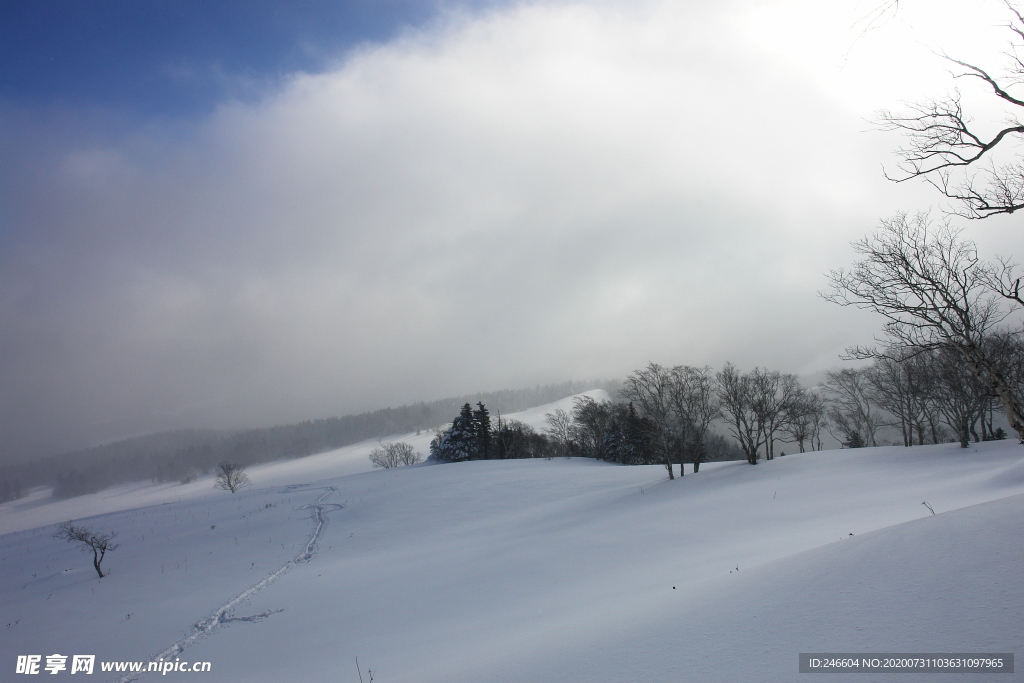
[{"x": 545, "y": 192}]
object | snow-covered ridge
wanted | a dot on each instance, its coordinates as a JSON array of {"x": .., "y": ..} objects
[{"x": 38, "y": 508}]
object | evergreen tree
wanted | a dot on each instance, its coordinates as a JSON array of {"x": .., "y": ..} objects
[
  {"x": 482, "y": 432},
  {"x": 629, "y": 439},
  {"x": 458, "y": 443}
]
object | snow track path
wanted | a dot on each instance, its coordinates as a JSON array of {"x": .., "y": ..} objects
[{"x": 222, "y": 614}]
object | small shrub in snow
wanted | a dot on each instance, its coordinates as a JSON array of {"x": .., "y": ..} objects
[
  {"x": 394, "y": 454},
  {"x": 230, "y": 476}
]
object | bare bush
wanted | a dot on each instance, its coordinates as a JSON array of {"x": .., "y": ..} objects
[
  {"x": 394, "y": 454},
  {"x": 231, "y": 476}
]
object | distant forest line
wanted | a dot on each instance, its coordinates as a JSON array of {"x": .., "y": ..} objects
[{"x": 183, "y": 455}]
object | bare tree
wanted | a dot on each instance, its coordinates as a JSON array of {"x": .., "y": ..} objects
[
  {"x": 99, "y": 543},
  {"x": 853, "y": 405},
  {"x": 900, "y": 389},
  {"x": 513, "y": 439},
  {"x": 394, "y": 454},
  {"x": 959, "y": 396},
  {"x": 735, "y": 392},
  {"x": 926, "y": 420},
  {"x": 805, "y": 417},
  {"x": 932, "y": 289},
  {"x": 890, "y": 380},
  {"x": 560, "y": 429},
  {"x": 1006, "y": 347},
  {"x": 904, "y": 383},
  {"x": 650, "y": 390},
  {"x": 772, "y": 394},
  {"x": 982, "y": 171},
  {"x": 696, "y": 404},
  {"x": 757, "y": 406},
  {"x": 591, "y": 422},
  {"x": 230, "y": 476}
]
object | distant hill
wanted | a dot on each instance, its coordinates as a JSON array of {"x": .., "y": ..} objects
[{"x": 184, "y": 454}]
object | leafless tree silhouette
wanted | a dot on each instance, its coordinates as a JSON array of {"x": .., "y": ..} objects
[
  {"x": 99, "y": 543},
  {"x": 933, "y": 291},
  {"x": 231, "y": 476},
  {"x": 696, "y": 404},
  {"x": 650, "y": 390},
  {"x": 394, "y": 454}
]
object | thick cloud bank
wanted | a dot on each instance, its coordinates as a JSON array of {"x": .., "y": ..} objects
[{"x": 545, "y": 192}]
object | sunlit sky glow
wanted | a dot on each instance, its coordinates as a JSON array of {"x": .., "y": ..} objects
[{"x": 238, "y": 214}]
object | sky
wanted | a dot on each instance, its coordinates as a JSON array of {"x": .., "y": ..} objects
[{"x": 227, "y": 214}]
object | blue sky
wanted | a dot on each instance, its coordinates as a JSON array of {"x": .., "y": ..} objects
[{"x": 182, "y": 57}]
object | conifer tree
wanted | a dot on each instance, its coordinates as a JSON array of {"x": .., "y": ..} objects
[
  {"x": 482, "y": 431},
  {"x": 461, "y": 437},
  {"x": 628, "y": 441}
]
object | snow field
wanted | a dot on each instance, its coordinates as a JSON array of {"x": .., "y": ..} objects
[
  {"x": 534, "y": 570},
  {"x": 169, "y": 566},
  {"x": 560, "y": 570}
]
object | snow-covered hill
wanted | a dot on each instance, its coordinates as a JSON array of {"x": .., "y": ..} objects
[
  {"x": 38, "y": 508},
  {"x": 560, "y": 570}
]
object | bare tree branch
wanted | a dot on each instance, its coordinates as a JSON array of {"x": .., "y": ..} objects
[{"x": 945, "y": 148}]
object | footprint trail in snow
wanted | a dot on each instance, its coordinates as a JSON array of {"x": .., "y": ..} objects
[{"x": 222, "y": 614}]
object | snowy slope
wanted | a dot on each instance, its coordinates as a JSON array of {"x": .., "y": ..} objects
[
  {"x": 560, "y": 570},
  {"x": 38, "y": 508}
]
